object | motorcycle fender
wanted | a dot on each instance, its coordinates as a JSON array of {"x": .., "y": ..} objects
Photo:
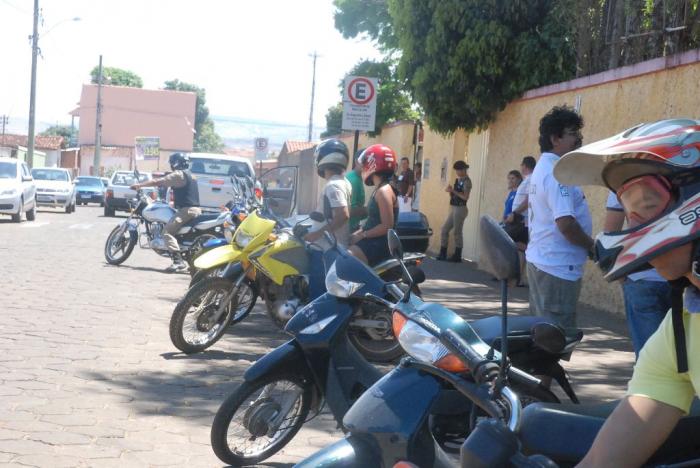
[
  {"x": 217, "y": 257},
  {"x": 285, "y": 359},
  {"x": 346, "y": 453},
  {"x": 132, "y": 226},
  {"x": 392, "y": 411}
]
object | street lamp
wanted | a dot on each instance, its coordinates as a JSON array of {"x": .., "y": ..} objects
[{"x": 32, "y": 92}]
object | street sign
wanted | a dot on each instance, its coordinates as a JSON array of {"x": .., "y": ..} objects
[
  {"x": 359, "y": 103},
  {"x": 147, "y": 148},
  {"x": 261, "y": 148}
]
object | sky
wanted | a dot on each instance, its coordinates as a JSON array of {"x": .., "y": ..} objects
[{"x": 251, "y": 56}]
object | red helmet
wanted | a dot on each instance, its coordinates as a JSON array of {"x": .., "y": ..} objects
[
  {"x": 655, "y": 171},
  {"x": 377, "y": 159}
]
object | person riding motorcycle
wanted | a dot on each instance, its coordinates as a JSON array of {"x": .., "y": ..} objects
[
  {"x": 186, "y": 198},
  {"x": 369, "y": 244},
  {"x": 655, "y": 171}
]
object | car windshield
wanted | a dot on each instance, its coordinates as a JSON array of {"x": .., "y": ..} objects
[
  {"x": 127, "y": 178},
  {"x": 89, "y": 182},
  {"x": 218, "y": 167},
  {"x": 50, "y": 174},
  {"x": 8, "y": 170}
]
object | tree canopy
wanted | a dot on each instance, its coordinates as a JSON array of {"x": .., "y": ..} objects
[
  {"x": 206, "y": 139},
  {"x": 60, "y": 130},
  {"x": 365, "y": 17},
  {"x": 393, "y": 101},
  {"x": 117, "y": 77}
]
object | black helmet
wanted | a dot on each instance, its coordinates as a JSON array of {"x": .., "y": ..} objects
[
  {"x": 331, "y": 154},
  {"x": 179, "y": 161}
]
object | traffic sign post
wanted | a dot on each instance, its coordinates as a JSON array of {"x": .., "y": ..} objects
[
  {"x": 261, "y": 147},
  {"x": 359, "y": 103}
]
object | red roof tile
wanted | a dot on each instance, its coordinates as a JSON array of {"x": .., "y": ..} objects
[
  {"x": 294, "y": 146},
  {"x": 40, "y": 142}
]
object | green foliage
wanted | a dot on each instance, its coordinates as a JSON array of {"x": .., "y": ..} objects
[
  {"x": 393, "y": 102},
  {"x": 368, "y": 17},
  {"x": 116, "y": 77},
  {"x": 60, "y": 130},
  {"x": 464, "y": 60},
  {"x": 334, "y": 120},
  {"x": 206, "y": 139}
]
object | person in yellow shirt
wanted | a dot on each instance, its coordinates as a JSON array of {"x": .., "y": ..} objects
[{"x": 654, "y": 169}]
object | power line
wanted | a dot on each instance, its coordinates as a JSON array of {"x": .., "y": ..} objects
[{"x": 6, "y": 2}]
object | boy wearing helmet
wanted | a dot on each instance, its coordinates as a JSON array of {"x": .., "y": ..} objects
[
  {"x": 654, "y": 169},
  {"x": 186, "y": 195},
  {"x": 370, "y": 244},
  {"x": 332, "y": 158}
]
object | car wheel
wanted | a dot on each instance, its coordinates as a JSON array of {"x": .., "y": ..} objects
[
  {"x": 68, "y": 209},
  {"x": 31, "y": 214},
  {"x": 17, "y": 218},
  {"x": 108, "y": 212}
]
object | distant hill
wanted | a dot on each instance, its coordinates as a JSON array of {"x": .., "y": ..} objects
[{"x": 239, "y": 132}]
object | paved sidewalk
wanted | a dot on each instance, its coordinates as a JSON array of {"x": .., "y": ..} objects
[{"x": 88, "y": 376}]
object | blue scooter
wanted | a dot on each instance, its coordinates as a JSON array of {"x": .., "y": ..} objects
[{"x": 421, "y": 411}]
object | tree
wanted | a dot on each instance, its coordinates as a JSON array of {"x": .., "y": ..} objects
[
  {"x": 117, "y": 77},
  {"x": 393, "y": 102},
  {"x": 60, "y": 130},
  {"x": 368, "y": 17},
  {"x": 206, "y": 139},
  {"x": 464, "y": 60}
]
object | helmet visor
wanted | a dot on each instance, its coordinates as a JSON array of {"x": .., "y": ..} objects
[{"x": 644, "y": 198}]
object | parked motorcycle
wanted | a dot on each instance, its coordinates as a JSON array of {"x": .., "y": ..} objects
[
  {"x": 275, "y": 266},
  {"x": 421, "y": 412},
  {"x": 318, "y": 366}
]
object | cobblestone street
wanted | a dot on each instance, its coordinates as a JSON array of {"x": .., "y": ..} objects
[{"x": 89, "y": 376}]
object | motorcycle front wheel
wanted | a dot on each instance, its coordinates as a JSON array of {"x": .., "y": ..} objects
[
  {"x": 191, "y": 327},
  {"x": 120, "y": 243},
  {"x": 259, "y": 419}
]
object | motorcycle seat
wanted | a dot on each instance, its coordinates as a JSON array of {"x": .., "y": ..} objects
[
  {"x": 207, "y": 219},
  {"x": 565, "y": 432},
  {"x": 519, "y": 332}
]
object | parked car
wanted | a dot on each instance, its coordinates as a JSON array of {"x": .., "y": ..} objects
[
  {"x": 54, "y": 188},
  {"x": 17, "y": 190},
  {"x": 118, "y": 192},
  {"x": 213, "y": 174},
  {"x": 89, "y": 190}
]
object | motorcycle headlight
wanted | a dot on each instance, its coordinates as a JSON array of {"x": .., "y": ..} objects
[
  {"x": 8, "y": 192},
  {"x": 243, "y": 239},
  {"x": 339, "y": 287},
  {"x": 423, "y": 345}
]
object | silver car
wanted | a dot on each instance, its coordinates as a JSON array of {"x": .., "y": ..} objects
[
  {"x": 54, "y": 188},
  {"x": 17, "y": 190}
]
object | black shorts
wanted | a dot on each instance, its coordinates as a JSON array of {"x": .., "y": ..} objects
[
  {"x": 517, "y": 231},
  {"x": 376, "y": 249}
]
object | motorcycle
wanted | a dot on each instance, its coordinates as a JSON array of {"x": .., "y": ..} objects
[
  {"x": 318, "y": 366},
  {"x": 421, "y": 412}
]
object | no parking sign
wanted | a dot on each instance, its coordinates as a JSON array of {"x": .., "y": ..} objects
[{"x": 359, "y": 103}]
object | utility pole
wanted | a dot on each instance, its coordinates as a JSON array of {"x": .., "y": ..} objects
[
  {"x": 313, "y": 92},
  {"x": 98, "y": 124},
  {"x": 5, "y": 120},
  {"x": 32, "y": 91}
]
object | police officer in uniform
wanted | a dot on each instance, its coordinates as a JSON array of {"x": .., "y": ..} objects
[
  {"x": 186, "y": 195},
  {"x": 459, "y": 195}
]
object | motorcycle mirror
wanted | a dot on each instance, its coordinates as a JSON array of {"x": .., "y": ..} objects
[
  {"x": 317, "y": 216},
  {"x": 548, "y": 337},
  {"x": 137, "y": 174},
  {"x": 395, "y": 247},
  {"x": 499, "y": 255}
]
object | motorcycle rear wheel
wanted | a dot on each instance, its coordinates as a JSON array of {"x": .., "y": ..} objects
[
  {"x": 190, "y": 331},
  {"x": 248, "y": 412},
  {"x": 117, "y": 241}
]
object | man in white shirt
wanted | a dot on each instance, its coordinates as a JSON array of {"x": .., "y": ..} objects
[{"x": 559, "y": 224}]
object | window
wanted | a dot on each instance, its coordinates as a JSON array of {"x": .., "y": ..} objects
[
  {"x": 218, "y": 167},
  {"x": 89, "y": 182},
  {"x": 127, "y": 178},
  {"x": 8, "y": 170},
  {"x": 50, "y": 174}
]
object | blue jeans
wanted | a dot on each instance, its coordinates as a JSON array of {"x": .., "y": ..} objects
[{"x": 646, "y": 304}]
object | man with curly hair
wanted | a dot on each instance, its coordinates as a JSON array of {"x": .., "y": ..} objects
[{"x": 559, "y": 224}]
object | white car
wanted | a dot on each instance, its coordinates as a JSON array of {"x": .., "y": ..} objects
[
  {"x": 213, "y": 174},
  {"x": 54, "y": 188},
  {"x": 17, "y": 190}
]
